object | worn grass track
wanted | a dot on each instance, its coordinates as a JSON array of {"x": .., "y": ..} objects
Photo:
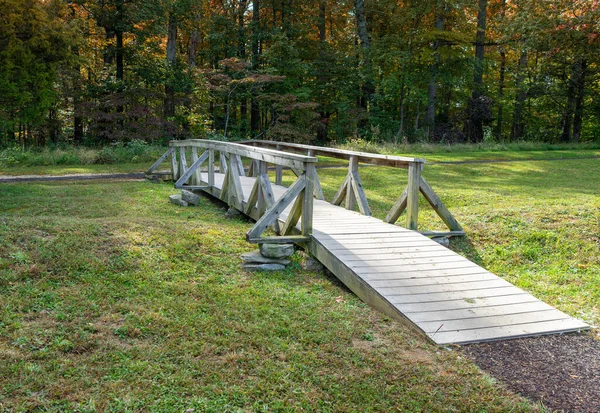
[{"x": 114, "y": 300}]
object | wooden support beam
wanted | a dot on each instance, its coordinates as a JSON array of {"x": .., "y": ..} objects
[
  {"x": 191, "y": 171},
  {"x": 253, "y": 198},
  {"x": 211, "y": 168},
  {"x": 308, "y": 201},
  {"x": 432, "y": 234},
  {"x": 240, "y": 165},
  {"x": 359, "y": 193},
  {"x": 278, "y": 171},
  {"x": 236, "y": 183},
  {"x": 341, "y": 193},
  {"x": 266, "y": 191},
  {"x": 294, "y": 215},
  {"x": 160, "y": 160},
  {"x": 398, "y": 208},
  {"x": 222, "y": 162},
  {"x": 350, "y": 197},
  {"x": 439, "y": 207},
  {"x": 412, "y": 202},
  {"x": 275, "y": 211},
  {"x": 318, "y": 190},
  {"x": 174, "y": 165},
  {"x": 182, "y": 162}
]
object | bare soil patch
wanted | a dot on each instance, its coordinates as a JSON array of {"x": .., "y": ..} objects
[{"x": 560, "y": 371}]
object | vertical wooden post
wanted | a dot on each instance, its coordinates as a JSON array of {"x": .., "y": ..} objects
[
  {"x": 182, "y": 161},
  {"x": 308, "y": 200},
  {"x": 262, "y": 169},
  {"x": 195, "y": 179},
  {"x": 278, "y": 170},
  {"x": 174, "y": 171},
  {"x": 350, "y": 197},
  {"x": 412, "y": 203},
  {"x": 211, "y": 168}
]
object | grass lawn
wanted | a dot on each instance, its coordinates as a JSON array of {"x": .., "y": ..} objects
[{"x": 112, "y": 299}]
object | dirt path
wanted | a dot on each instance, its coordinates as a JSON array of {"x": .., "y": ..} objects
[{"x": 71, "y": 177}]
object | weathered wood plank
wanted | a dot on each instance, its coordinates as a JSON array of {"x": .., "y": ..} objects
[
  {"x": 468, "y": 313},
  {"x": 398, "y": 207},
  {"x": 308, "y": 200},
  {"x": 505, "y": 332}
]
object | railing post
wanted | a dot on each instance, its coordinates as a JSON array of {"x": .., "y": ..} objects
[
  {"x": 278, "y": 170},
  {"x": 211, "y": 168},
  {"x": 412, "y": 203},
  {"x": 174, "y": 171},
  {"x": 350, "y": 197},
  {"x": 308, "y": 200}
]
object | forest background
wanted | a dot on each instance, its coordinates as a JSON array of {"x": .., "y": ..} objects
[{"x": 102, "y": 72}]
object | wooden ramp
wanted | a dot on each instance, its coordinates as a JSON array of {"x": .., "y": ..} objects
[
  {"x": 396, "y": 270},
  {"x": 412, "y": 278}
]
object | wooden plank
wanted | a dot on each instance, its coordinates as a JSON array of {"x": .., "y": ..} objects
[
  {"x": 222, "y": 162},
  {"x": 433, "y": 234},
  {"x": 182, "y": 161},
  {"x": 466, "y": 313},
  {"x": 434, "y": 288},
  {"x": 266, "y": 194},
  {"x": 505, "y": 332},
  {"x": 273, "y": 213},
  {"x": 448, "y": 261},
  {"x": 350, "y": 199},
  {"x": 449, "y": 279},
  {"x": 438, "y": 206},
  {"x": 492, "y": 321},
  {"x": 474, "y": 303},
  {"x": 239, "y": 165},
  {"x": 387, "y": 255},
  {"x": 412, "y": 202},
  {"x": 318, "y": 190},
  {"x": 451, "y": 295},
  {"x": 370, "y": 275}
]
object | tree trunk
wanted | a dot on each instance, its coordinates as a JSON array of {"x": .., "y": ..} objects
[
  {"x": 323, "y": 129},
  {"x": 169, "y": 104},
  {"x": 517, "y": 122},
  {"x": 500, "y": 114},
  {"x": 572, "y": 83},
  {"x": 477, "y": 121},
  {"x": 578, "y": 117},
  {"x": 368, "y": 89},
  {"x": 241, "y": 29},
  {"x": 433, "y": 72},
  {"x": 254, "y": 106}
]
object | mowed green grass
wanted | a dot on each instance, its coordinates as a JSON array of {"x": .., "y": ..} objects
[{"x": 112, "y": 299}]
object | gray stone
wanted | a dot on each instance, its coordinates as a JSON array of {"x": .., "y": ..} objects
[
  {"x": 232, "y": 213},
  {"x": 276, "y": 250},
  {"x": 311, "y": 264},
  {"x": 263, "y": 267},
  {"x": 443, "y": 241},
  {"x": 256, "y": 257},
  {"x": 176, "y": 199},
  {"x": 190, "y": 197}
]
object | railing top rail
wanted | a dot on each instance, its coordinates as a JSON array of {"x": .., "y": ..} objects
[
  {"x": 365, "y": 157},
  {"x": 262, "y": 154}
]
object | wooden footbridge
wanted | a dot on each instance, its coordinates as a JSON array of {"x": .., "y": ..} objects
[{"x": 399, "y": 271}]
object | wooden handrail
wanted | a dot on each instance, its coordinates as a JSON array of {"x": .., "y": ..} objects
[
  {"x": 262, "y": 154},
  {"x": 364, "y": 157}
]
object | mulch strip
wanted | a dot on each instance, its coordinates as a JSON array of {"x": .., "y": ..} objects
[{"x": 560, "y": 371}]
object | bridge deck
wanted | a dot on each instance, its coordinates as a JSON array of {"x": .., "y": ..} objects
[{"x": 412, "y": 278}]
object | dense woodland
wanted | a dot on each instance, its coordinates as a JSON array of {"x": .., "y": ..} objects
[{"x": 103, "y": 71}]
